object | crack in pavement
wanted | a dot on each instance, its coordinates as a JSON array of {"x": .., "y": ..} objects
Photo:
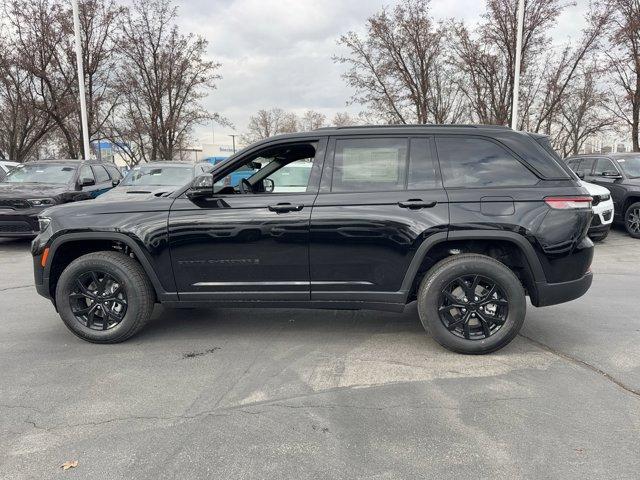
[
  {"x": 15, "y": 288},
  {"x": 582, "y": 363}
]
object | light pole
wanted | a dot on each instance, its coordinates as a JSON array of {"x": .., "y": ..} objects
[
  {"x": 516, "y": 81},
  {"x": 233, "y": 137},
  {"x": 83, "y": 104}
]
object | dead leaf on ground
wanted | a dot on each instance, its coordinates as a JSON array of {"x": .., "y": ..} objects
[{"x": 69, "y": 464}]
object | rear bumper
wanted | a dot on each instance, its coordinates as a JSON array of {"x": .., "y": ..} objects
[{"x": 554, "y": 293}]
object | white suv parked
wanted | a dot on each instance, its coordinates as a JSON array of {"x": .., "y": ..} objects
[{"x": 602, "y": 206}]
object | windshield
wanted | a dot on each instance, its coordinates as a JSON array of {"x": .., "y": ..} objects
[
  {"x": 158, "y": 176},
  {"x": 630, "y": 166},
  {"x": 41, "y": 173}
]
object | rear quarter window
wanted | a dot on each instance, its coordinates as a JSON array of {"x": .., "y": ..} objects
[{"x": 477, "y": 162}]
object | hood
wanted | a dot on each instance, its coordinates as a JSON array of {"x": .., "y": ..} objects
[
  {"x": 31, "y": 190},
  {"x": 594, "y": 189},
  {"x": 136, "y": 192}
]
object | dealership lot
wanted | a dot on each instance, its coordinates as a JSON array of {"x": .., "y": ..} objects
[{"x": 306, "y": 394}]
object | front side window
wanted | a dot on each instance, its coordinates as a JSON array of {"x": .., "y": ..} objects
[
  {"x": 101, "y": 174},
  {"x": 114, "y": 173},
  {"x": 279, "y": 169},
  {"x": 604, "y": 165},
  {"x": 41, "y": 173},
  {"x": 476, "y": 162},
  {"x": 369, "y": 165},
  {"x": 630, "y": 165}
]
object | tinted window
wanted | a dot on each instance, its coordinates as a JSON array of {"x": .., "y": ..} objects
[
  {"x": 584, "y": 166},
  {"x": 2, "y": 174},
  {"x": 422, "y": 172},
  {"x": 376, "y": 164},
  {"x": 604, "y": 165},
  {"x": 113, "y": 172},
  {"x": 630, "y": 165},
  {"x": 475, "y": 162},
  {"x": 85, "y": 172},
  {"x": 101, "y": 174}
]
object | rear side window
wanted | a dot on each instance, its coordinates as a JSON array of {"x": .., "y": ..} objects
[
  {"x": 476, "y": 162},
  {"x": 101, "y": 174},
  {"x": 422, "y": 171},
  {"x": 366, "y": 165}
]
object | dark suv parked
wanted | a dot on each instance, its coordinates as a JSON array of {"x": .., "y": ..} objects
[
  {"x": 464, "y": 220},
  {"x": 31, "y": 187},
  {"x": 620, "y": 174}
]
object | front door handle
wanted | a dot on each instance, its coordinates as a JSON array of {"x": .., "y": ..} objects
[
  {"x": 285, "y": 207},
  {"x": 416, "y": 204}
]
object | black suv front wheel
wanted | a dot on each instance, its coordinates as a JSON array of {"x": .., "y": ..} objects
[
  {"x": 104, "y": 297},
  {"x": 471, "y": 304}
]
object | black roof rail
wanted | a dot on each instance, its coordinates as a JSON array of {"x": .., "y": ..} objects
[{"x": 413, "y": 125}]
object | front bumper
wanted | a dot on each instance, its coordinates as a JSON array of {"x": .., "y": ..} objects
[
  {"x": 17, "y": 224},
  {"x": 554, "y": 293},
  {"x": 602, "y": 217}
]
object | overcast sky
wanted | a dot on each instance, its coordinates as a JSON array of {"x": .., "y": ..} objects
[{"x": 278, "y": 52}]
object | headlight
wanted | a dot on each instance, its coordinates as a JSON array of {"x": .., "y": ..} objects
[
  {"x": 605, "y": 197},
  {"x": 43, "y": 223},
  {"x": 41, "y": 202}
]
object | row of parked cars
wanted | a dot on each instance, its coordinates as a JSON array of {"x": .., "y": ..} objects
[{"x": 466, "y": 221}]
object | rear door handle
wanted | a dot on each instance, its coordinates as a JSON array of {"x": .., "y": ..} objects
[
  {"x": 416, "y": 204},
  {"x": 285, "y": 207}
]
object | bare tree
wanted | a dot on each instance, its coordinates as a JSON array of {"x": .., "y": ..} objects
[
  {"x": 42, "y": 32},
  {"x": 395, "y": 67},
  {"x": 583, "y": 112},
  {"x": 267, "y": 123},
  {"x": 624, "y": 63},
  {"x": 163, "y": 78},
  {"x": 23, "y": 123},
  {"x": 344, "y": 119},
  {"x": 311, "y": 120}
]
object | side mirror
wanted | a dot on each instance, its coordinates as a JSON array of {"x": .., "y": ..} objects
[
  {"x": 87, "y": 182},
  {"x": 580, "y": 175},
  {"x": 201, "y": 187},
  {"x": 115, "y": 182},
  {"x": 269, "y": 185},
  {"x": 611, "y": 174}
]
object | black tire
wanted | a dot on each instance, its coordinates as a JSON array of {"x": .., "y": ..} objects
[
  {"x": 135, "y": 286},
  {"x": 449, "y": 270},
  {"x": 631, "y": 216},
  {"x": 598, "y": 237}
]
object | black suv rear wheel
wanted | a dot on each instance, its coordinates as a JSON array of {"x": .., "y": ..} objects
[
  {"x": 632, "y": 220},
  {"x": 104, "y": 297},
  {"x": 471, "y": 304}
]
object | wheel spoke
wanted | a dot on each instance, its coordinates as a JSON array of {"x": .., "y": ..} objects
[
  {"x": 452, "y": 298},
  {"x": 486, "y": 328}
]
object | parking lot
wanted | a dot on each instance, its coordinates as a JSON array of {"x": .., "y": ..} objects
[{"x": 323, "y": 394}]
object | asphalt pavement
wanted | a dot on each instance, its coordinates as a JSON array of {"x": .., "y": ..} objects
[{"x": 278, "y": 394}]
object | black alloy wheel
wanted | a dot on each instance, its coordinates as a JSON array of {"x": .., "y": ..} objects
[
  {"x": 98, "y": 300},
  {"x": 632, "y": 220},
  {"x": 473, "y": 307}
]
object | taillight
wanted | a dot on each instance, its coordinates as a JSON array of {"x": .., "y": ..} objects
[{"x": 568, "y": 203}]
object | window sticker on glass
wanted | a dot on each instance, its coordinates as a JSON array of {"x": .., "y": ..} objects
[{"x": 370, "y": 165}]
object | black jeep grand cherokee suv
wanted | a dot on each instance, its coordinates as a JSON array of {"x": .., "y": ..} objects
[{"x": 464, "y": 220}]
